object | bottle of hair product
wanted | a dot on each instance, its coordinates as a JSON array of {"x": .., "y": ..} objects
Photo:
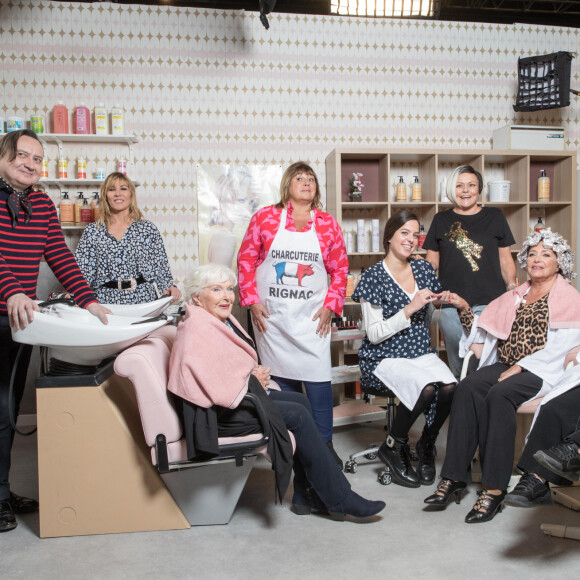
[
  {"x": 60, "y": 118},
  {"x": 443, "y": 191},
  {"x": 543, "y": 186},
  {"x": 44, "y": 169},
  {"x": 416, "y": 193},
  {"x": 349, "y": 285},
  {"x": 540, "y": 225},
  {"x": 361, "y": 236},
  {"x": 375, "y": 236},
  {"x": 66, "y": 209},
  {"x": 422, "y": 236},
  {"x": 401, "y": 190},
  {"x": 82, "y": 120},
  {"x": 117, "y": 120},
  {"x": 101, "y": 120},
  {"x": 81, "y": 168},
  {"x": 62, "y": 168},
  {"x": 122, "y": 165},
  {"x": 78, "y": 205},
  {"x": 349, "y": 241},
  {"x": 95, "y": 207},
  {"x": 86, "y": 213}
]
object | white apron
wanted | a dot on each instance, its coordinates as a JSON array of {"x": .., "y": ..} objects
[{"x": 292, "y": 283}]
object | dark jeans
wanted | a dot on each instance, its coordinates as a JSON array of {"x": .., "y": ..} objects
[
  {"x": 8, "y": 352},
  {"x": 320, "y": 397},
  {"x": 483, "y": 413},
  {"x": 313, "y": 462},
  {"x": 558, "y": 419}
]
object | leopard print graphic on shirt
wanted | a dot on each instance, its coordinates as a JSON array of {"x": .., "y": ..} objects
[{"x": 529, "y": 332}]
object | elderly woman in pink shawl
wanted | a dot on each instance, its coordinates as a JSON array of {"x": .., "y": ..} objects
[
  {"x": 214, "y": 364},
  {"x": 521, "y": 339}
]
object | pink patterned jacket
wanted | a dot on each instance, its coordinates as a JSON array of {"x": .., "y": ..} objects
[{"x": 259, "y": 237}]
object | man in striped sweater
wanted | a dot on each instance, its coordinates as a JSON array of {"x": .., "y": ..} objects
[{"x": 29, "y": 231}]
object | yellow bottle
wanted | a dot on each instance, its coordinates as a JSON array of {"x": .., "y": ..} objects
[
  {"x": 416, "y": 194},
  {"x": 543, "y": 186},
  {"x": 401, "y": 190}
]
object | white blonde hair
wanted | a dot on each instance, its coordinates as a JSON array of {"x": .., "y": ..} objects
[
  {"x": 206, "y": 275},
  {"x": 452, "y": 181}
]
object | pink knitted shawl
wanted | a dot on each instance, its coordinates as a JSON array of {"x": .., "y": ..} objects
[
  {"x": 563, "y": 305},
  {"x": 210, "y": 364}
]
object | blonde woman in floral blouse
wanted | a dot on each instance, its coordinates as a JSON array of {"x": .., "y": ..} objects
[{"x": 122, "y": 255}]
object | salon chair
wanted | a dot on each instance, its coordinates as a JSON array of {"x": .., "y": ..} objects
[
  {"x": 207, "y": 491},
  {"x": 371, "y": 452}
]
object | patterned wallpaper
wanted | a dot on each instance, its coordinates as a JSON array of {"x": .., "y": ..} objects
[{"x": 216, "y": 87}]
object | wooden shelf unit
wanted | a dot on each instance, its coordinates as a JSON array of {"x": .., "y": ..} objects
[{"x": 381, "y": 168}]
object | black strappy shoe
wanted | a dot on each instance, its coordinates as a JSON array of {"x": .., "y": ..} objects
[{"x": 485, "y": 507}]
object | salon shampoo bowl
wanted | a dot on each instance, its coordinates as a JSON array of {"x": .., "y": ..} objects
[
  {"x": 75, "y": 336},
  {"x": 154, "y": 308}
]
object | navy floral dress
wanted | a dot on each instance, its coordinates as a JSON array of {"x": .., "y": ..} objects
[
  {"x": 102, "y": 258},
  {"x": 379, "y": 289}
]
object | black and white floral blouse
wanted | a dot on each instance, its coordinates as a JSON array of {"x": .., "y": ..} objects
[
  {"x": 378, "y": 288},
  {"x": 102, "y": 258}
]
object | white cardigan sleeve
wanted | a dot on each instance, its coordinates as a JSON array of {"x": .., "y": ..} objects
[{"x": 377, "y": 329}]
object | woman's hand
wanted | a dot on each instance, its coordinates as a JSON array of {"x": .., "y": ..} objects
[
  {"x": 174, "y": 292},
  {"x": 324, "y": 317},
  {"x": 259, "y": 312},
  {"x": 422, "y": 298},
  {"x": 513, "y": 370},
  {"x": 447, "y": 297},
  {"x": 263, "y": 375}
]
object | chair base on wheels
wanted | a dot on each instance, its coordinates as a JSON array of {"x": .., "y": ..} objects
[{"x": 372, "y": 452}]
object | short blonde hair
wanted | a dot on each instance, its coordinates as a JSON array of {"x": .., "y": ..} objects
[
  {"x": 134, "y": 211},
  {"x": 452, "y": 181},
  {"x": 206, "y": 275},
  {"x": 289, "y": 174}
]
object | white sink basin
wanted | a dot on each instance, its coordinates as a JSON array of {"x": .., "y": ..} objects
[
  {"x": 74, "y": 335},
  {"x": 146, "y": 309}
]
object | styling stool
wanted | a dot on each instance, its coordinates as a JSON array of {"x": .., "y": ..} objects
[{"x": 372, "y": 452}]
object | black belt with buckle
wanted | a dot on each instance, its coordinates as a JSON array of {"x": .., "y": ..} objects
[{"x": 125, "y": 283}]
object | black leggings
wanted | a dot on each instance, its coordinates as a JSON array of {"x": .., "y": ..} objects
[{"x": 404, "y": 418}]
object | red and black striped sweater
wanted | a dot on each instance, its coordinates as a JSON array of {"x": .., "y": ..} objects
[{"x": 23, "y": 246}]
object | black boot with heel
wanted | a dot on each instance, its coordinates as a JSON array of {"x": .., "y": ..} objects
[{"x": 426, "y": 452}]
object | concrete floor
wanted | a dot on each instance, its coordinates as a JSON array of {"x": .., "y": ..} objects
[{"x": 264, "y": 540}]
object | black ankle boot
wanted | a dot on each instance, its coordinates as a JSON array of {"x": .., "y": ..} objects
[
  {"x": 394, "y": 452},
  {"x": 426, "y": 452},
  {"x": 355, "y": 505}
]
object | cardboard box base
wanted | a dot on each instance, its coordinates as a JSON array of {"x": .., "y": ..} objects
[{"x": 95, "y": 471}]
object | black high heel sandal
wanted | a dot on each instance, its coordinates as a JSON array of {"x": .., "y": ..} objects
[
  {"x": 446, "y": 489},
  {"x": 485, "y": 507}
]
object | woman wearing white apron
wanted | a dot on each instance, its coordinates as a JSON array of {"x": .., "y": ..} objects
[
  {"x": 396, "y": 355},
  {"x": 286, "y": 256}
]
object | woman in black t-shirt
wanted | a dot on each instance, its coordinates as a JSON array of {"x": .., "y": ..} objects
[{"x": 469, "y": 247}]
